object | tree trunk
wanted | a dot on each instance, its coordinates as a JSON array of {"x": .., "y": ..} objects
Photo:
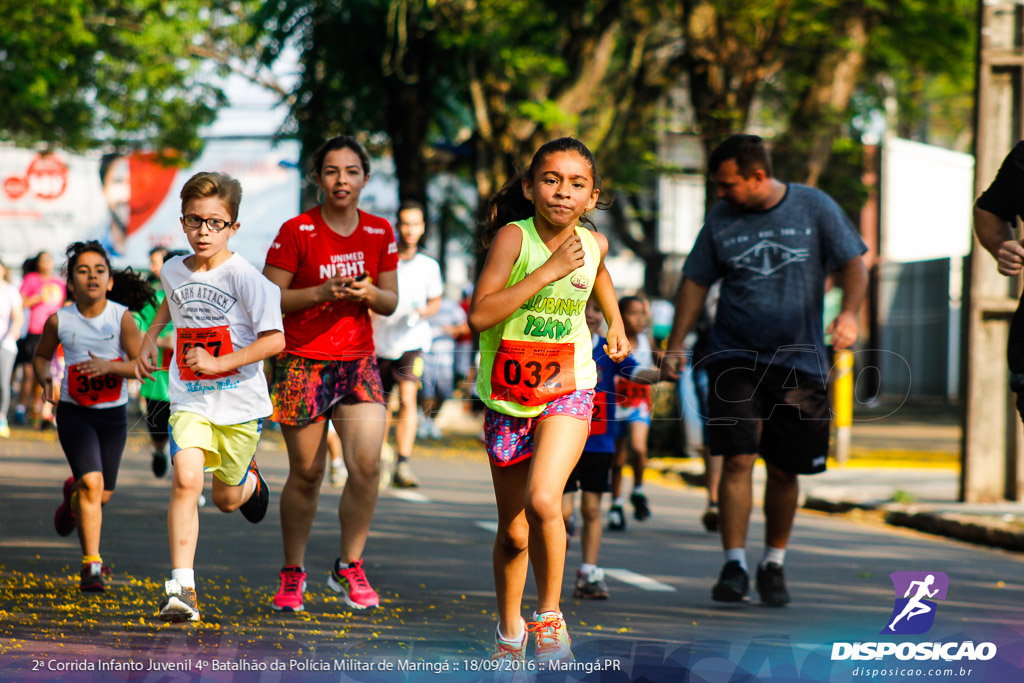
[
  {"x": 817, "y": 119},
  {"x": 409, "y": 103}
]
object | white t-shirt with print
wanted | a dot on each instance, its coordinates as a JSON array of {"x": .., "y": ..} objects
[
  {"x": 419, "y": 280},
  {"x": 227, "y": 306}
]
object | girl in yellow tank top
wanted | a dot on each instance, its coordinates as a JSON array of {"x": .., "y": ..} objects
[{"x": 537, "y": 376}]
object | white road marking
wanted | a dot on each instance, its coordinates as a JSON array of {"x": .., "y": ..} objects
[
  {"x": 488, "y": 526},
  {"x": 411, "y": 496},
  {"x": 639, "y": 580}
]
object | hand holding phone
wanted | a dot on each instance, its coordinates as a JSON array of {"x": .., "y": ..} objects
[{"x": 357, "y": 288}]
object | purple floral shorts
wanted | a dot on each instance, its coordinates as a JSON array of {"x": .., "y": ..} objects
[{"x": 509, "y": 439}]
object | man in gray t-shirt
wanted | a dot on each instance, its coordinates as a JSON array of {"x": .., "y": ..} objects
[{"x": 771, "y": 244}]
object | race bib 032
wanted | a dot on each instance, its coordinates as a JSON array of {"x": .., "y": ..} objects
[{"x": 533, "y": 373}]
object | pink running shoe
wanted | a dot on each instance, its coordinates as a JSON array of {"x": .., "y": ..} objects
[
  {"x": 64, "y": 521},
  {"x": 289, "y": 595},
  {"x": 351, "y": 582}
]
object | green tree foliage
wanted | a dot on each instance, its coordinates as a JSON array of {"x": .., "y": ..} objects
[
  {"x": 372, "y": 68},
  {"x": 497, "y": 77},
  {"x": 75, "y": 73},
  {"x": 809, "y": 66},
  {"x": 493, "y": 79},
  {"x": 594, "y": 69}
]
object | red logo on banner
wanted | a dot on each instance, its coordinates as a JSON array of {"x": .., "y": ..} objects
[
  {"x": 46, "y": 178},
  {"x": 15, "y": 187}
]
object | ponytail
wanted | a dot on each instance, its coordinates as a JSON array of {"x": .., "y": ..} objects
[
  {"x": 508, "y": 205},
  {"x": 131, "y": 289}
]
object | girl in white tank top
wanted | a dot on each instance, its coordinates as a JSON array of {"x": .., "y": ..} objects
[{"x": 100, "y": 341}]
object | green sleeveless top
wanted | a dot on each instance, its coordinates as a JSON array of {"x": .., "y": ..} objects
[{"x": 544, "y": 349}]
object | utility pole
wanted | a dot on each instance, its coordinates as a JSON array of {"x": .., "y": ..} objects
[{"x": 992, "y": 465}]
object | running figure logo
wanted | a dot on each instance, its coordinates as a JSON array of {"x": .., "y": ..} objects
[{"x": 914, "y": 612}]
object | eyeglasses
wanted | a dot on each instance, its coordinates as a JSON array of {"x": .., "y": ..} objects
[{"x": 194, "y": 222}]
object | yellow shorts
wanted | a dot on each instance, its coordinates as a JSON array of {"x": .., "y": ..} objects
[{"x": 229, "y": 448}]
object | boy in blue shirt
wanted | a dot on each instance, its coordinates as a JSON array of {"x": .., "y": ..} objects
[{"x": 592, "y": 474}]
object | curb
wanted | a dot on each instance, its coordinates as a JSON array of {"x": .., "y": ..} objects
[
  {"x": 959, "y": 527},
  {"x": 967, "y": 528}
]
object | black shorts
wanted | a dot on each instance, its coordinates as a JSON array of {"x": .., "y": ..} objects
[
  {"x": 27, "y": 348},
  {"x": 157, "y": 414},
  {"x": 782, "y": 414},
  {"x": 93, "y": 439},
  {"x": 593, "y": 472},
  {"x": 406, "y": 368}
]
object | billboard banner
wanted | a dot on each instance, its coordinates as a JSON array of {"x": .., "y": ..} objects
[{"x": 130, "y": 202}]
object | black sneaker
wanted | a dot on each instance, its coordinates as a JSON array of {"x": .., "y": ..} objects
[
  {"x": 641, "y": 510},
  {"x": 92, "y": 578},
  {"x": 732, "y": 584},
  {"x": 255, "y": 508},
  {"x": 771, "y": 585},
  {"x": 710, "y": 518},
  {"x": 591, "y": 586},
  {"x": 572, "y": 526},
  {"x": 616, "y": 518},
  {"x": 159, "y": 464}
]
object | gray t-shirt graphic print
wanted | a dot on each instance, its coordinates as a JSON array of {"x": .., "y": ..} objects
[{"x": 773, "y": 266}]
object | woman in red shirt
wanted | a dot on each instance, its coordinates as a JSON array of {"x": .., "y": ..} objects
[{"x": 334, "y": 264}]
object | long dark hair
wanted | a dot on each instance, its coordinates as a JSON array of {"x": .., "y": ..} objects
[
  {"x": 510, "y": 204},
  {"x": 129, "y": 289}
]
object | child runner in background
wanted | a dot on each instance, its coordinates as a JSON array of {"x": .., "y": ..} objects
[
  {"x": 227, "y": 320},
  {"x": 12, "y": 317},
  {"x": 592, "y": 474},
  {"x": 634, "y": 417},
  {"x": 439, "y": 365},
  {"x": 155, "y": 391},
  {"x": 100, "y": 340},
  {"x": 537, "y": 376}
]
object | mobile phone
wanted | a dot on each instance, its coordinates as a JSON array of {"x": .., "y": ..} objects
[{"x": 362, "y": 276}]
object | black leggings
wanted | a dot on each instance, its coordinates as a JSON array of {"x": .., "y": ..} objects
[{"x": 93, "y": 439}]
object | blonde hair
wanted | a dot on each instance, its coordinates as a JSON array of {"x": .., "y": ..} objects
[{"x": 207, "y": 184}]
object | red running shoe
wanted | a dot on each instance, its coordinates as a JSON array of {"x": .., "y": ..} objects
[{"x": 64, "y": 521}]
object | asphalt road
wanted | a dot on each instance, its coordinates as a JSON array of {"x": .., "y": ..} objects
[{"x": 429, "y": 557}]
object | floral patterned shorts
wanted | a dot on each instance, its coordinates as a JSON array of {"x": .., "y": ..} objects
[
  {"x": 510, "y": 439},
  {"x": 303, "y": 390}
]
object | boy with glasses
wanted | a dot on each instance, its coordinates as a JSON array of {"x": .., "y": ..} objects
[{"x": 227, "y": 320}]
